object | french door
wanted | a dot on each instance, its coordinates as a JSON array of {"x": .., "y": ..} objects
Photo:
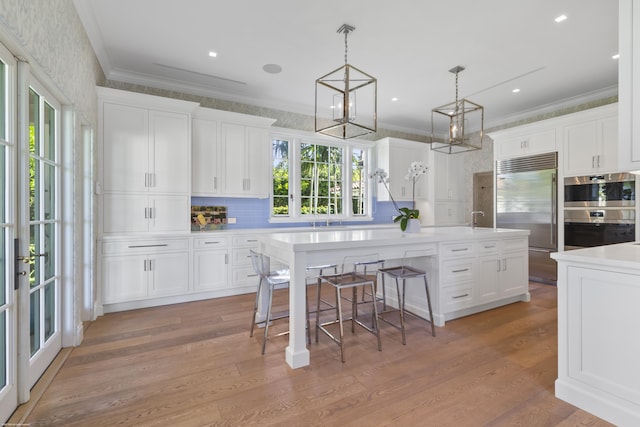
[
  {"x": 30, "y": 332},
  {"x": 39, "y": 223},
  {"x": 8, "y": 310}
]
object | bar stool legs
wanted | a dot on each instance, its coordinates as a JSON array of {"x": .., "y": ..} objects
[{"x": 339, "y": 282}]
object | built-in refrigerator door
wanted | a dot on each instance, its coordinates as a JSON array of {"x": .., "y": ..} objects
[{"x": 528, "y": 200}]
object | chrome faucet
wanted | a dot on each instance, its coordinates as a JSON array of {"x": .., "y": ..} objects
[{"x": 473, "y": 217}]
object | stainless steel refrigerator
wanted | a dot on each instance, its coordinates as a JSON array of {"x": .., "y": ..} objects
[{"x": 526, "y": 198}]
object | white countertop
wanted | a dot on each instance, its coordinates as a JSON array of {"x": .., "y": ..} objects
[
  {"x": 328, "y": 239},
  {"x": 623, "y": 255}
]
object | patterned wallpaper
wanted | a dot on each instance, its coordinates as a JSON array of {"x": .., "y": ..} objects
[{"x": 49, "y": 34}]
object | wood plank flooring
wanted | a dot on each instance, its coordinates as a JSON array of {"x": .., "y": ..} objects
[{"x": 194, "y": 364}]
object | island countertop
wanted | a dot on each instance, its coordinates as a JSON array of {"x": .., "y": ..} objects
[
  {"x": 622, "y": 255},
  {"x": 328, "y": 239}
]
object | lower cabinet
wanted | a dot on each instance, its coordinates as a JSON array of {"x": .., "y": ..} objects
[
  {"x": 474, "y": 274},
  {"x": 210, "y": 263},
  {"x": 502, "y": 269},
  {"x": 139, "y": 269}
]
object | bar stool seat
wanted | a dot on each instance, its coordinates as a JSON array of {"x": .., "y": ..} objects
[
  {"x": 272, "y": 279},
  {"x": 348, "y": 280},
  {"x": 404, "y": 272}
]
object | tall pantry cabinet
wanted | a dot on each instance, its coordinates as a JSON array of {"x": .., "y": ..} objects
[{"x": 143, "y": 187}]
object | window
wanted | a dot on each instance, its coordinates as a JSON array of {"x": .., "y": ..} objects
[{"x": 317, "y": 179}]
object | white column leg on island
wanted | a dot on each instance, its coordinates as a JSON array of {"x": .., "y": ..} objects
[{"x": 297, "y": 354}]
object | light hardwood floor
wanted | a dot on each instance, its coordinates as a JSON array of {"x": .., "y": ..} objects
[{"x": 194, "y": 364}]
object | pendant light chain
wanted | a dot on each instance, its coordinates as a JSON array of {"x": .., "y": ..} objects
[{"x": 346, "y": 33}]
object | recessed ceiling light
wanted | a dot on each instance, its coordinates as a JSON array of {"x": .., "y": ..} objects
[
  {"x": 561, "y": 18},
  {"x": 515, "y": 90},
  {"x": 394, "y": 99},
  {"x": 272, "y": 68},
  {"x": 212, "y": 54},
  {"x": 616, "y": 56}
]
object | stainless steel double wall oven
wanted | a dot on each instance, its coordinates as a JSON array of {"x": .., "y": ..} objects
[{"x": 599, "y": 210}]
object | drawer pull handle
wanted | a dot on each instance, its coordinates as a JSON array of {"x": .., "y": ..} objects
[
  {"x": 460, "y": 296},
  {"x": 211, "y": 243},
  {"x": 459, "y": 250},
  {"x": 252, "y": 275},
  {"x": 460, "y": 271},
  {"x": 148, "y": 246},
  {"x": 252, "y": 240}
]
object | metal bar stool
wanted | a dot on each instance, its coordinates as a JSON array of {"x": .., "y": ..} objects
[
  {"x": 315, "y": 271},
  {"x": 405, "y": 272},
  {"x": 272, "y": 279},
  {"x": 349, "y": 278}
]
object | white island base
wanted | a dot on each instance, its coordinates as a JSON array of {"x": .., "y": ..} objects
[{"x": 599, "y": 331}]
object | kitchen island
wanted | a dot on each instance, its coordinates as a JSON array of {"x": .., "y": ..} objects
[
  {"x": 598, "y": 331},
  {"x": 471, "y": 269}
]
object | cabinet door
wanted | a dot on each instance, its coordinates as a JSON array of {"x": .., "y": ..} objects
[
  {"x": 448, "y": 213},
  {"x": 169, "y": 273},
  {"x": 608, "y": 147},
  {"x": 125, "y": 213},
  {"x": 210, "y": 270},
  {"x": 124, "y": 278},
  {"x": 234, "y": 158},
  {"x": 447, "y": 176},
  {"x": 399, "y": 160},
  {"x": 169, "y": 214},
  {"x": 125, "y": 148},
  {"x": 169, "y": 153},
  {"x": 514, "y": 278},
  {"x": 488, "y": 280},
  {"x": 204, "y": 158},
  {"x": 257, "y": 158},
  {"x": 581, "y": 148}
]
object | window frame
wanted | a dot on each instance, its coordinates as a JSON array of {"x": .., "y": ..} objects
[{"x": 295, "y": 139}]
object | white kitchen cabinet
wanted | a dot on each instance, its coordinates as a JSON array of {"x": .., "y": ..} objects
[
  {"x": 629, "y": 85},
  {"x": 244, "y": 154},
  {"x": 144, "y": 168},
  {"x": 210, "y": 263},
  {"x": 394, "y": 156},
  {"x": 502, "y": 269},
  {"x": 527, "y": 141},
  {"x": 591, "y": 147},
  {"x": 133, "y": 214},
  {"x": 447, "y": 176},
  {"x": 205, "y": 155},
  {"x": 230, "y": 153},
  {"x": 141, "y": 269},
  {"x": 145, "y": 150},
  {"x": 445, "y": 213}
]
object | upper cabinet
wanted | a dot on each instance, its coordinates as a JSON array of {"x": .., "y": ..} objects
[
  {"x": 527, "y": 141},
  {"x": 629, "y": 85},
  {"x": 394, "y": 156},
  {"x": 145, "y": 146},
  {"x": 591, "y": 147},
  {"x": 230, "y": 152}
]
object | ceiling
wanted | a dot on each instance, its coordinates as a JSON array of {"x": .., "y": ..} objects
[{"x": 408, "y": 45}]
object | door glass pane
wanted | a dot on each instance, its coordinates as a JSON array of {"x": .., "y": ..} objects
[
  {"x": 3, "y": 98},
  {"x": 3, "y": 266},
  {"x": 49, "y": 132},
  {"x": 49, "y": 310},
  {"x": 34, "y": 263},
  {"x": 49, "y": 251},
  {"x": 49, "y": 186},
  {"x": 34, "y": 321},
  {"x": 3, "y": 184},
  {"x": 34, "y": 118}
]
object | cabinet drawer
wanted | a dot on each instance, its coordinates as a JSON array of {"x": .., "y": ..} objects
[
  {"x": 244, "y": 276},
  {"x": 488, "y": 246},
  {"x": 461, "y": 249},
  {"x": 245, "y": 241},
  {"x": 241, "y": 257},
  {"x": 211, "y": 242},
  {"x": 457, "y": 270},
  {"x": 144, "y": 246},
  {"x": 515, "y": 244},
  {"x": 457, "y": 297}
]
